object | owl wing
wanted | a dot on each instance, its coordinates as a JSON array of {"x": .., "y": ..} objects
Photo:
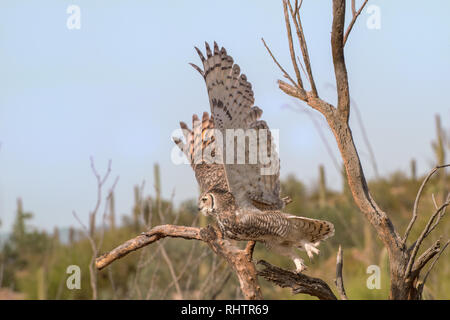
[
  {"x": 291, "y": 228},
  {"x": 312, "y": 230},
  {"x": 200, "y": 140},
  {"x": 231, "y": 101}
]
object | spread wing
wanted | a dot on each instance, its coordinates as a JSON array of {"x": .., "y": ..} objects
[
  {"x": 200, "y": 140},
  {"x": 231, "y": 101}
]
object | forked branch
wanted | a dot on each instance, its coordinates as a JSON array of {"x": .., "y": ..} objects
[
  {"x": 404, "y": 268},
  {"x": 298, "y": 282},
  {"x": 239, "y": 260},
  {"x": 355, "y": 15},
  {"x": 416, "y": 202},
  {"x": 302, "y": 283}
]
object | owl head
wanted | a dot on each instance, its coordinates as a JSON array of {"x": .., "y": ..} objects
[{"x": 215, "y": 200}]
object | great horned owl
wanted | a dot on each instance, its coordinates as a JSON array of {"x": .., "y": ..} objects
[{"x": 245, "y": 203}]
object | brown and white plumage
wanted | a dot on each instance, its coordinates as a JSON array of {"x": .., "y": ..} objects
[
  {"x": 245, "y": 202},
  {"x": 198, "y": 141},
  {"x": 231, "y": 101}
]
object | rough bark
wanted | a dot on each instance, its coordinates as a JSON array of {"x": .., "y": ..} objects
[
  {"x": 298, "y": 282},
  {"x": 404, "y": 267},
  {"x": 239, "y": 260}
]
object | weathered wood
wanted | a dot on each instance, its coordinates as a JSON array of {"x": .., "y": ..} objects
[
  {"x": 404, "y": 268},
  {"x": 298, "y": 282},
  {"x": 239, "y": 260}
]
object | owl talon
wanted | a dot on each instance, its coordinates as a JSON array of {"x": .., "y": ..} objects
[
  {"x": 310, "y": 250},
  {"x": 300, "y": 266},
  {"x": 301, "y": 269}
]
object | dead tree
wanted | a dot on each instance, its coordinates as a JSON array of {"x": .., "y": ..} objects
[
  {"x": 405, "y": 266},
  {"x": 90, "y": 231},
  {"x": 239, "y": 260}
]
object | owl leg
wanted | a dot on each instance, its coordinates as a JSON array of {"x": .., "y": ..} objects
[
  {"x": 311, "y": 248},
  {"x": 299, "y": 264},
  {"x": 288, "y": 251}
]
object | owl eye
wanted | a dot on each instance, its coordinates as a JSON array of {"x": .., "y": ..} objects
[{"x": 204, "y": 199}]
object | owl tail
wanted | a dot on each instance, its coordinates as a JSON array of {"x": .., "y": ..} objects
[{"x": 312, "y": 230}]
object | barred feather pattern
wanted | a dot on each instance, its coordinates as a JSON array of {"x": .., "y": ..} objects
[
  {"x": 200, "y": 140},
  {"x": 279, "y": 231},
  {"x": 231, "y": 100},
  {"x": 245, "y": 203},
  {"x": 212, "y": 175},
  {"x": 265, "y": 226}
]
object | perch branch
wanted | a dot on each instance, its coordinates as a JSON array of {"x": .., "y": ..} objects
[
  {"x": 236, "y": 258},
  {"x": 155, "y": 234},
  {"x": 298, "y": 282}
]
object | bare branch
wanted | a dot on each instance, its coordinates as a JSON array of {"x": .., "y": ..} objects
[
  {"x": 293, "y": 91},
  {"x": 424, "y": 258},
  {"x": 422, "y": 236},
  {"x": 416, "y": 202},
  {"x": 400, "y": 257},
  {"x": 314, "y": 102},
  {"x": 286, "y": 75},
  {"x": 297, "y": 7},
  {"x": 291, "y": 45},
  {"x": 145, "y": 239},
  {"x": 298, "y": 282},
  {"x": 90, "y": 231},
  {"x": 222, "y": 286},
  {"x": 337, "y": 48},
  {"x": 439, "y": 217},
  {"x": 355, "y": 16},
  {"x": 434, "y": 262},
  {"x": 237, "y": 259},
  {"x": 303, "y": 46},
  {"x": 171, "y": 269},
  {"x": 339, "y": 279}
]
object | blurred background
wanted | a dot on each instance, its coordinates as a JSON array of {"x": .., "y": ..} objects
[{"x": 115, "y": 89}]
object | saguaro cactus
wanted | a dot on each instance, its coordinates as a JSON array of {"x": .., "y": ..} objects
[{"x": 322, "y": 187}]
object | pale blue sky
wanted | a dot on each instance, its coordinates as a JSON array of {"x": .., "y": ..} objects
[{"x": 117, "y": 88}]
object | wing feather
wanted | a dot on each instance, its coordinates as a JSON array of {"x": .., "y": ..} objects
[
  {"x": 312, "y": 229},
  {"x": 198, "y": 140},
  {"x": 231, "y": 99}
]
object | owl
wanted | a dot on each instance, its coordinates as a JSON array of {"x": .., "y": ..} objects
[{"x": 243, "y": 198}]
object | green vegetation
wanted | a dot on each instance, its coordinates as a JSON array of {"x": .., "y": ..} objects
[{"x": 33, "y": 263}]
